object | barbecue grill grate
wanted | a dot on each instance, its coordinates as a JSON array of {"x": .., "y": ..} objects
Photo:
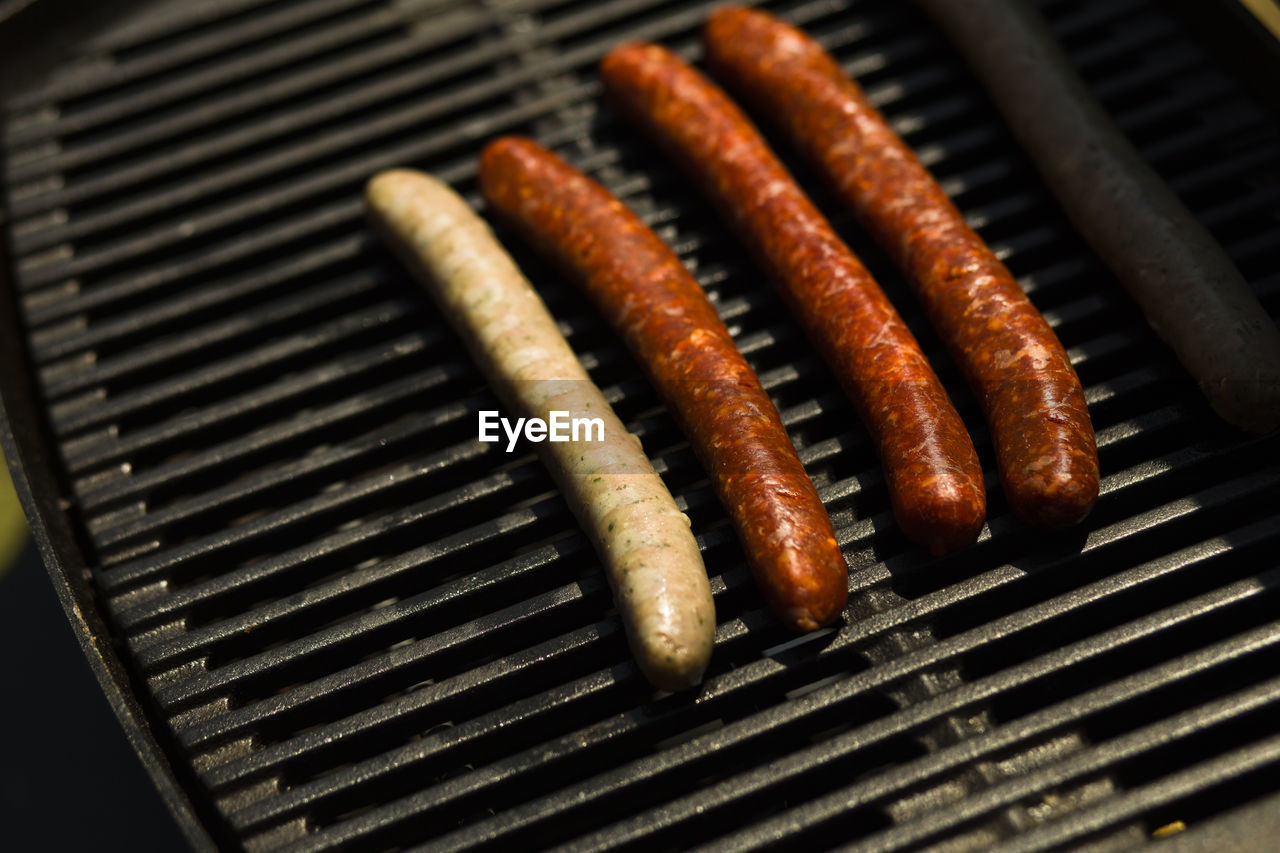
[{"x": 353, "y": 624}]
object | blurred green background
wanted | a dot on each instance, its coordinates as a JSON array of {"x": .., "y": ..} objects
[{"x": 13, "y": 529}]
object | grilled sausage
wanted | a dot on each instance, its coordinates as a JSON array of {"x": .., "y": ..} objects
[
  {"x": 1190, "y": 292},
  {"x": 648, "y": 550},
  {"x": 1010, "y": 357},
  {"x": 652, "y": 302},
  {"x": 932, "y": 471}
]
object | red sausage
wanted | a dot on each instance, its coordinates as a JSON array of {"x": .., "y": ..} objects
[
  {"x": 932, "y": 471},
  {"x": 1010, "y": 357},
  {"x": 650, "y": 299}
]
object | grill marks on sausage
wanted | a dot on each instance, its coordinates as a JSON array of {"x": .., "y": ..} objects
[
  {"x": 932, "y": 472},
  {"x": 650, "y": 299},
  {"x": 1030, "y": 395}
]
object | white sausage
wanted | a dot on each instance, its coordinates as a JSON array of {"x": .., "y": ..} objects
[{"x": 649, "y": 553}]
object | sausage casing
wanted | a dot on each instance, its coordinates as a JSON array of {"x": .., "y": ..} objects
[
  {"x": 1189, "y": 290},
  {"x": 1015, "y": 365},
  {"x": 933, "y": 476},
  {"x": 650, "y": 556},
  {"x": 650, "y": 299}
]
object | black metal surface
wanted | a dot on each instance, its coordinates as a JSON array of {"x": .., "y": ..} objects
[
  {"x": 71, "y": 749},
  {"x": 347, "y": 622}
]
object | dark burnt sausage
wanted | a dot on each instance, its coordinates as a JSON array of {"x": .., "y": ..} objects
[{"x": 1191, "y": 293}]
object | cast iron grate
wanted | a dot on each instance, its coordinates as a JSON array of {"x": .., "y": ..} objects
[{"x": 358, "y": 626}]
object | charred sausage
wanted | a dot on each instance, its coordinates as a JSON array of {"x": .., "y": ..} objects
[
  {"x": 1189, "y": 290},
  {"x": 652, "y": 302},
  {"x": 933, "y": 476},
  {"x": 650, "y": 556},
  {"x": 1012, "y": 360}
]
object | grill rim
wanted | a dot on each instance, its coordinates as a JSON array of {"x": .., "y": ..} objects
[
  {"x": 25, "y": 438},
  {"x": 26, "y": 449}
]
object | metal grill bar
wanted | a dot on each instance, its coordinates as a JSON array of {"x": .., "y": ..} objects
[
  {"x": 1254, "y": 757},
  {"x": 274, "y": 439},
  {"x": 261, "y": 320},
  {"x": 1161, "y": 518},
  {"x": 154, "y": 58},
  {"x": 289, "y": 120},
  {"x": 133, "y": 404},
  {"x": 642, "y": 771},
  {"x": 93, "y": 451},
  {"x": 915, "y": 773},
  {"x": 1123, "y": 748},
  {"x": 343, "y": 34},
  {"x": 152, "y": 567},
  {"x": 267, "y": 166},
  {"x": 400, "y": 118},
  {"x": 191, "y": 305}
]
